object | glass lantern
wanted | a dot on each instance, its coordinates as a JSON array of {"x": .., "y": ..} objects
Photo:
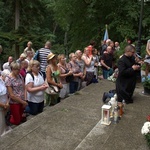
[{"x": 106, "y": 115}]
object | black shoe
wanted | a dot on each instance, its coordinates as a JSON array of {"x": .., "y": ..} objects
[
  {"x": 129, "y": 102},
  {"x": 104, "y": 97},
  {"x": 58, "y": 100},
  {"x": 24, "y": 119},
  {"x": 51, "y": 104},
  {"x": 7, "y": 118}
]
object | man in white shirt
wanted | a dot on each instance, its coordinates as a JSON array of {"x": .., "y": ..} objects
[{"x": 7, "y": 64}]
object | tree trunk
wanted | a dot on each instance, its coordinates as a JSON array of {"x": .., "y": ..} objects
[
  {"x": 17, "y": 22},
  {"x": 65, "y": 43}
]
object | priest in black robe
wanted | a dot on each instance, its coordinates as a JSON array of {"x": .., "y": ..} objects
[{"x": 126, "y": 81}]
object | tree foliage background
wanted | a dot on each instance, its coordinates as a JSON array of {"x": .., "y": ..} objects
[{"x": 70, "y": 24}]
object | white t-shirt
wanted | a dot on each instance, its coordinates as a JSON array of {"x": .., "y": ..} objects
[
  {"x": 3, "y": 89},
  {"x": 6, "y": 66},
  {"x": 35, "y": 97},
  {"x": 3, "y": 92}
]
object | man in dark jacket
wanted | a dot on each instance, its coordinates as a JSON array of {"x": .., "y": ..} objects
[{"x": 126, "y": 80}]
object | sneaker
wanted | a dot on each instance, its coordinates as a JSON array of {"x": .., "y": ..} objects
[{"x": 71, "y": 94}]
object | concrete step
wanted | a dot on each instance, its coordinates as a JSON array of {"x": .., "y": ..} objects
[{"x": 74, "y": 124}]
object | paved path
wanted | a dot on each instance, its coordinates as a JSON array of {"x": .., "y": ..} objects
[{"x": 74, "y": 124}]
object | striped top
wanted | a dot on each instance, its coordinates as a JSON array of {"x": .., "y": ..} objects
[{"x": 43, "y": 53}]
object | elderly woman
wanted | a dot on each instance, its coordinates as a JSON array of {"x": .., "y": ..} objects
[
  {"x": 64, "y": 72},
  {"x": 75, "y": 68},
  {"x": 52, "y": 77},
  {"x": 81, "y": 63},
  {"x": 4, "y": 103},
  {"x": 35, "y": 87},
  {"x": 16, "y": 90},
  {"x": 147, "y": 58},
  {"x": 23, "y": 68}
]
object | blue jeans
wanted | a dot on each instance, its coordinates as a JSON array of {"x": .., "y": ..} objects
[
  {"x": 105, "y": 74},
  {"x": 35, "y": 108},
  {"x": 73, "y": 87}
]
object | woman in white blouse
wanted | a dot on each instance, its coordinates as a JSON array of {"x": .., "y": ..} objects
[{"x": 35, "y": 87}]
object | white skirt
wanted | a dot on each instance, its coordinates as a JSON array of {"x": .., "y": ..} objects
[
  {"x": 3, "y": 127},
  {"x": 64, "y": 91}
]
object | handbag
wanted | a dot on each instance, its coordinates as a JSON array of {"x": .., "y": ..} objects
[
  {"x": 69, "y": 78},
  {"x": 51, "y": 88}
]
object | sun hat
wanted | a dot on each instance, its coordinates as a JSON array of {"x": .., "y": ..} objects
[{"x": 50, "y": 56}]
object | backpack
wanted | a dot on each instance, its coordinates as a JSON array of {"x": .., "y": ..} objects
[
  {"x": 36, "y": 56},
  {"x": 33, "y": 75},
  {"x": 107, "y": 95}
]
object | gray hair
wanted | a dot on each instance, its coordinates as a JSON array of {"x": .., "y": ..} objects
[
  {"x": 5, "y": 73},
  {"x": 48, "y": 44}
]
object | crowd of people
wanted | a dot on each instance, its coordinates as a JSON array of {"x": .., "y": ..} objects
[{"x": 42, "y": 78}]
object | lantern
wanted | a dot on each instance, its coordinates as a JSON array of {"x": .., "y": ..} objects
[{"x": 106, "y": 115}]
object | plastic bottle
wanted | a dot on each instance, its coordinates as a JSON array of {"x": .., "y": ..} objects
[
  {"x": 120, "y": 109},
  {"x": 115, "y": 96},
  {"x": 111, "y": 110},
  {"x": 116, "y": 114},
  {"x": 113, "y": 104},
  {"x": 124, "y": 104}
]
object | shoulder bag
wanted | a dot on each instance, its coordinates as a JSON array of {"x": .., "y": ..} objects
[{"x": 51, "y": 88}]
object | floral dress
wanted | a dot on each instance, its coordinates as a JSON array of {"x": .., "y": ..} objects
[{"x": 18, "y": 89}]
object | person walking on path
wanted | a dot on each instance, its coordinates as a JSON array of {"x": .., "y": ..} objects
[{"x": 126, "y": 81}]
